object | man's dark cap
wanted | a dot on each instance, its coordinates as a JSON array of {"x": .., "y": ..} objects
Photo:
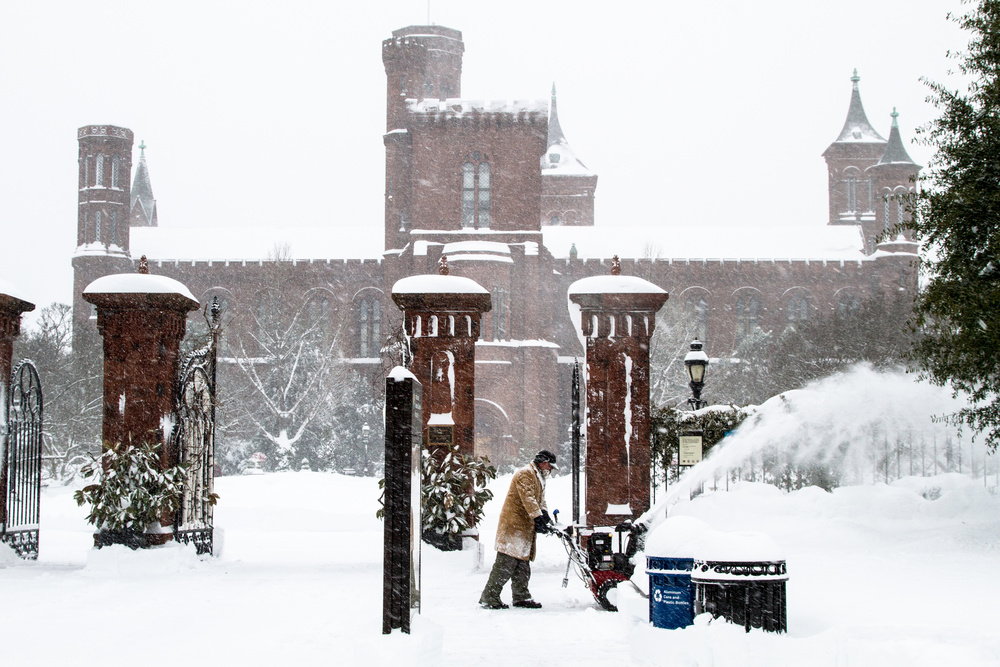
[{"x": 545, "y": 456}]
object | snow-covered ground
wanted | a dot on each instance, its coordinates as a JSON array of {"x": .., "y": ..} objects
[{"x": 879, "y": 575}]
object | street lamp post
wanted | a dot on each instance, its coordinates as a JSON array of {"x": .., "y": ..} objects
[
  {"x": 696, "y": 363},
  {"x": 365, "y": 435}
]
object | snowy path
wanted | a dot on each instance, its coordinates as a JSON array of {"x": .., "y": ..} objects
[{"x": 879, "y": 576}]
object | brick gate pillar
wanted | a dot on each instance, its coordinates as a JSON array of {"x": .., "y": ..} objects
[
  {"x": 617, "y": 316},
  {"x": 142, "y": 319},
  {"x": 12, "y": 304},
  {"x": 441, "y": 315}
]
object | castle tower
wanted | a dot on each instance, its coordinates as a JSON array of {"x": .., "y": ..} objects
[
  {"x": 851, "y": 190},
  {"x": 567, "y": 184},
  {"x": 104, "y": 196},
  {"x": 143, "y": 204},
  {"x": 893, "y": 177},
  {"x": 421, "y": 62}
]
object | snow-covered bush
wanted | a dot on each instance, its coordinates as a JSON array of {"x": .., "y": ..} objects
[
  {"x": 453, "y": 493},
  {"x": 131, "y": 492}
]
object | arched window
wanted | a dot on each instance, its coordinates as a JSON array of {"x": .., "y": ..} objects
[
  {"x": 97, "y": 227},
  {"x": 100, "y": 170},
  {"x": 476, "y": 192},
  {"x": 554, "y": 220},
  {"x": 848, "y": 306},
  {"x": 747, "y": 315},
  {"x": 114, "y": 171},
  {"x": 900, "y": 210},
  {"x": 852, "y": 193},
  {"x": 885, "y": 211},
  {"x": 114, "y": 228},
  {"x": 697, "y": 310},
  {"x": 369, "y": 328},
  {"x": 797, "y": 310}
]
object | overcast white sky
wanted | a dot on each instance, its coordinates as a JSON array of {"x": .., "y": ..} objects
[{"x": 268, "y": 113}]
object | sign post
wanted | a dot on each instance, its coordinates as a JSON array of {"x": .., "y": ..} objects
[
  {"x": 689, "y": 450},
  {"x": 403, "y": 440}
]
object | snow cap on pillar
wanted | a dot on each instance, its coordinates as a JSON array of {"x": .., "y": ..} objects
[
  {"x": 135, "y": 288},
  {"x": 616, "y": 291},
  {"x": 12, "y": 298},
  {"x": 440, "y": 291}
]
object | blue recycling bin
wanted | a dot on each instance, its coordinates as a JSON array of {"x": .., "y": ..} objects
[{"x": 671, "y": 601}]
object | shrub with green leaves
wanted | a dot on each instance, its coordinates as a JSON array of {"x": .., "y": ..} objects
[
  {"x": 130, "y": 492},
  {"x": 453, "y": 491}
]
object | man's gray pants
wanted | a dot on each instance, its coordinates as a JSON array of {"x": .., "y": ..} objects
[{"x": 507, "y": 568}]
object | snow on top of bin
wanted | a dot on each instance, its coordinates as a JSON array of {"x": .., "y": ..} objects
[
  {"x": 687, "y": 537},
  {"x": 138, "y": 283},
  {"x": 437, "y": 284},
  {"x": 614, "y": 285},
  {"x": 676, "y": 537}
]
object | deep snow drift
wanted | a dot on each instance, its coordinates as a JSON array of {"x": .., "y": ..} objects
[{"x": 881, "y": 574}]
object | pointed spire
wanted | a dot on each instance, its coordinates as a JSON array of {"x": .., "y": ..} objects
[
  {"x": 895, "y": 152},
  {"x": 856, "y": 127},
  {"x": 556, "y": 135},
  {"x": 559, "y": 157},
  {"x": 143, "y": 203}
]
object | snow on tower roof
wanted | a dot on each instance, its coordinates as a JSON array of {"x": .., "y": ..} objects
[
  {"x": 559, "y": 158},
  {"x": 142, "y": 189},
  {"x": 857, "y": 129},
  {"x": 895, "y": 152}
]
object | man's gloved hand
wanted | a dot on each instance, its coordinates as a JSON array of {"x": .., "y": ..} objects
[{"x": 542, "y": 522}]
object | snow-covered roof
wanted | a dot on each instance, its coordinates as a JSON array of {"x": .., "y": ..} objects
[
  {"x": 243, "y": 243},
  {"x": 399, "y": 373},
  {"x": 857, "y": 129},
  {"x": 895, "y": 152},
  {"x": 560, "y": 160},
  {"x": 138, "y": 283},
  {"x": 476, "y": 246},
  {"x": 614, "y": 285},
  {"x": 833, "y": 242},
  {"x": 437, "y": 284},
  {"x": 459, "y": 107}
]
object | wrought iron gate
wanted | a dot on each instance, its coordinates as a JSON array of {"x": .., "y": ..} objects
[
  {"x": 21, "y": 462},
  {"x": 195, "y": 440}
]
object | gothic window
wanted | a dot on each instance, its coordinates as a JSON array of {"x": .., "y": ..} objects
[
  {"x": 697, "y": 311},
  {"x": 747, "y": 315},
  {"x": 554, "y": 220},
  {"x": 369, "y": 328},
  {"x": 797, "y": 311},
  {"x": 86, "y": 172},
  {"x": 114, "y": 171},
  {"x": 97, "y": 227},
  {"x": 100, "y": 170},
  {"x": 476, "y": 192},
  {"x": 402, "y": 84},
  {"x": 899, "y": 210},
  {"x": 499, "y": 313},
  {"x": 852, "y": 193},
  {"x": 885, "y": 211},
  {"x": 114, "y": 227},
  {"x": 848, "y": 306}
]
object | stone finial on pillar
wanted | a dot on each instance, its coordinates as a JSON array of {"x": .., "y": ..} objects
[
  {"x": 12, "y": 305},
  {"x": 617, "y": 316},
  {"x": 142, "y": 319},
  {"x": 441, "y": 316}
]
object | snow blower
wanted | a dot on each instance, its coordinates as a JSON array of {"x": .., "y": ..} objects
[{"x": 592, "y": 554}]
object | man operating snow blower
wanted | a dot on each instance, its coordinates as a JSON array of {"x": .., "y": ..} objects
[{"x": 523, "y": 515}]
